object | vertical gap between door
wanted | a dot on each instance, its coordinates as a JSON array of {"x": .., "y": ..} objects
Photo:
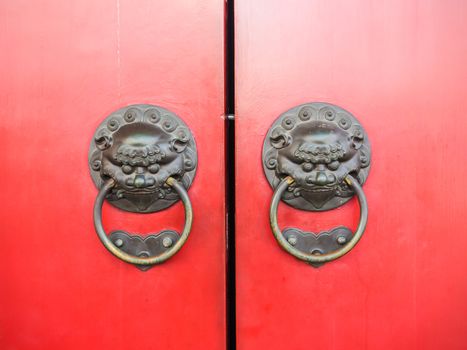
[{"x": 230, "y": 173}]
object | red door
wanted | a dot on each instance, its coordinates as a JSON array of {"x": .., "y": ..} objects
[
  {"x": 65, "y": 67},
  {"x": 68, "y": 68},
  {"x": 399, "y": 68}
]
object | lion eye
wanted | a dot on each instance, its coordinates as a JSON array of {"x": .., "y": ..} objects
[
  {"x": 127, "y": 169},
  {"x": 307, "y": 167},
  {"x": 154, "y": 168},
  {"x": 333, "y": 165}
]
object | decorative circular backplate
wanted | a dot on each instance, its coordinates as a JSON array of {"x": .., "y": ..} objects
[
  {"x": 140, "y": 147},
  {"x": 317, "y": 144}
]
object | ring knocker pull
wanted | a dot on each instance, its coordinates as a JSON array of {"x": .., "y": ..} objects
[
  {"x": 316, "y": 156},
  {"x": 143, "y": 158}
]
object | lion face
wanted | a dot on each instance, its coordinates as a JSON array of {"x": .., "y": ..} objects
[
  {"x": 318, "y": 153},
  {"x": 141, "y": 159},
  {"x": 140, "y": 154}
]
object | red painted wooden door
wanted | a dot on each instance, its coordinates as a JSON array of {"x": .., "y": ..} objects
[
  {"x": 65, "y": 66},
  {"x": 399, "y": 67}
]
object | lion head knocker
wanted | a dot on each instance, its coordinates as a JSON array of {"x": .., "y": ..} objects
[
  {"x": 318, "y": 145},
  {"x": 140, "y": 147}
]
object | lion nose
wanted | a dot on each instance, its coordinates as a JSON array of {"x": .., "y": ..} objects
[
  {"x": 320, "y": 178},
  {"x": 141, "y": 181}
]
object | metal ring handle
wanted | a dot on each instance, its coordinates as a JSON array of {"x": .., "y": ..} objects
[
  {"x": 152, "y": 260},
  {"x": 311, "y": 258}
]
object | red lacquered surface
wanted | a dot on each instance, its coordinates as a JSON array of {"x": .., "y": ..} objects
[
  {"x": 400, "y": 68},
  {"x": 64, "y": 67}
]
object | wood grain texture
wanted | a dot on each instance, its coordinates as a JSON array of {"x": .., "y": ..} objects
[
  {"x": 65, "y": 66},
  {"x": 399, "y": 67}
]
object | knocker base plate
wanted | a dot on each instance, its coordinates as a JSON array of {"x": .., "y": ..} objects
[
  {"x": 140, "y": 147},
  {"x": 318, "y": 145},
  {"x": 321, "y": 243},
  {"x": 144, "y": 246}
]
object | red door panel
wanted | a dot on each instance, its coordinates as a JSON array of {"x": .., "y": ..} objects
[
  {"x": 399, "y": 67},
  {"x": 65, "y": 66}
]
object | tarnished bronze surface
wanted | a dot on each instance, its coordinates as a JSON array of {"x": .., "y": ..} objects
[
  {"x": 301, "y": 252},
  {"x": 147, "y": 246},
  {"x": 318, "y": 243},
  {"x": 140, "y": 147},
  {"x": 318, "y": 145},
  {"x": 143, "y": 259}
]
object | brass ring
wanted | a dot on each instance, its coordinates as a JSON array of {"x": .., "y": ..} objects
[
  {"x": 152, "y": 260},
  {"x": 312, "y": 258}
]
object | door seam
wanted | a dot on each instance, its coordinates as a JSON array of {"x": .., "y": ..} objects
[{"x": 229, "y": 142}]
